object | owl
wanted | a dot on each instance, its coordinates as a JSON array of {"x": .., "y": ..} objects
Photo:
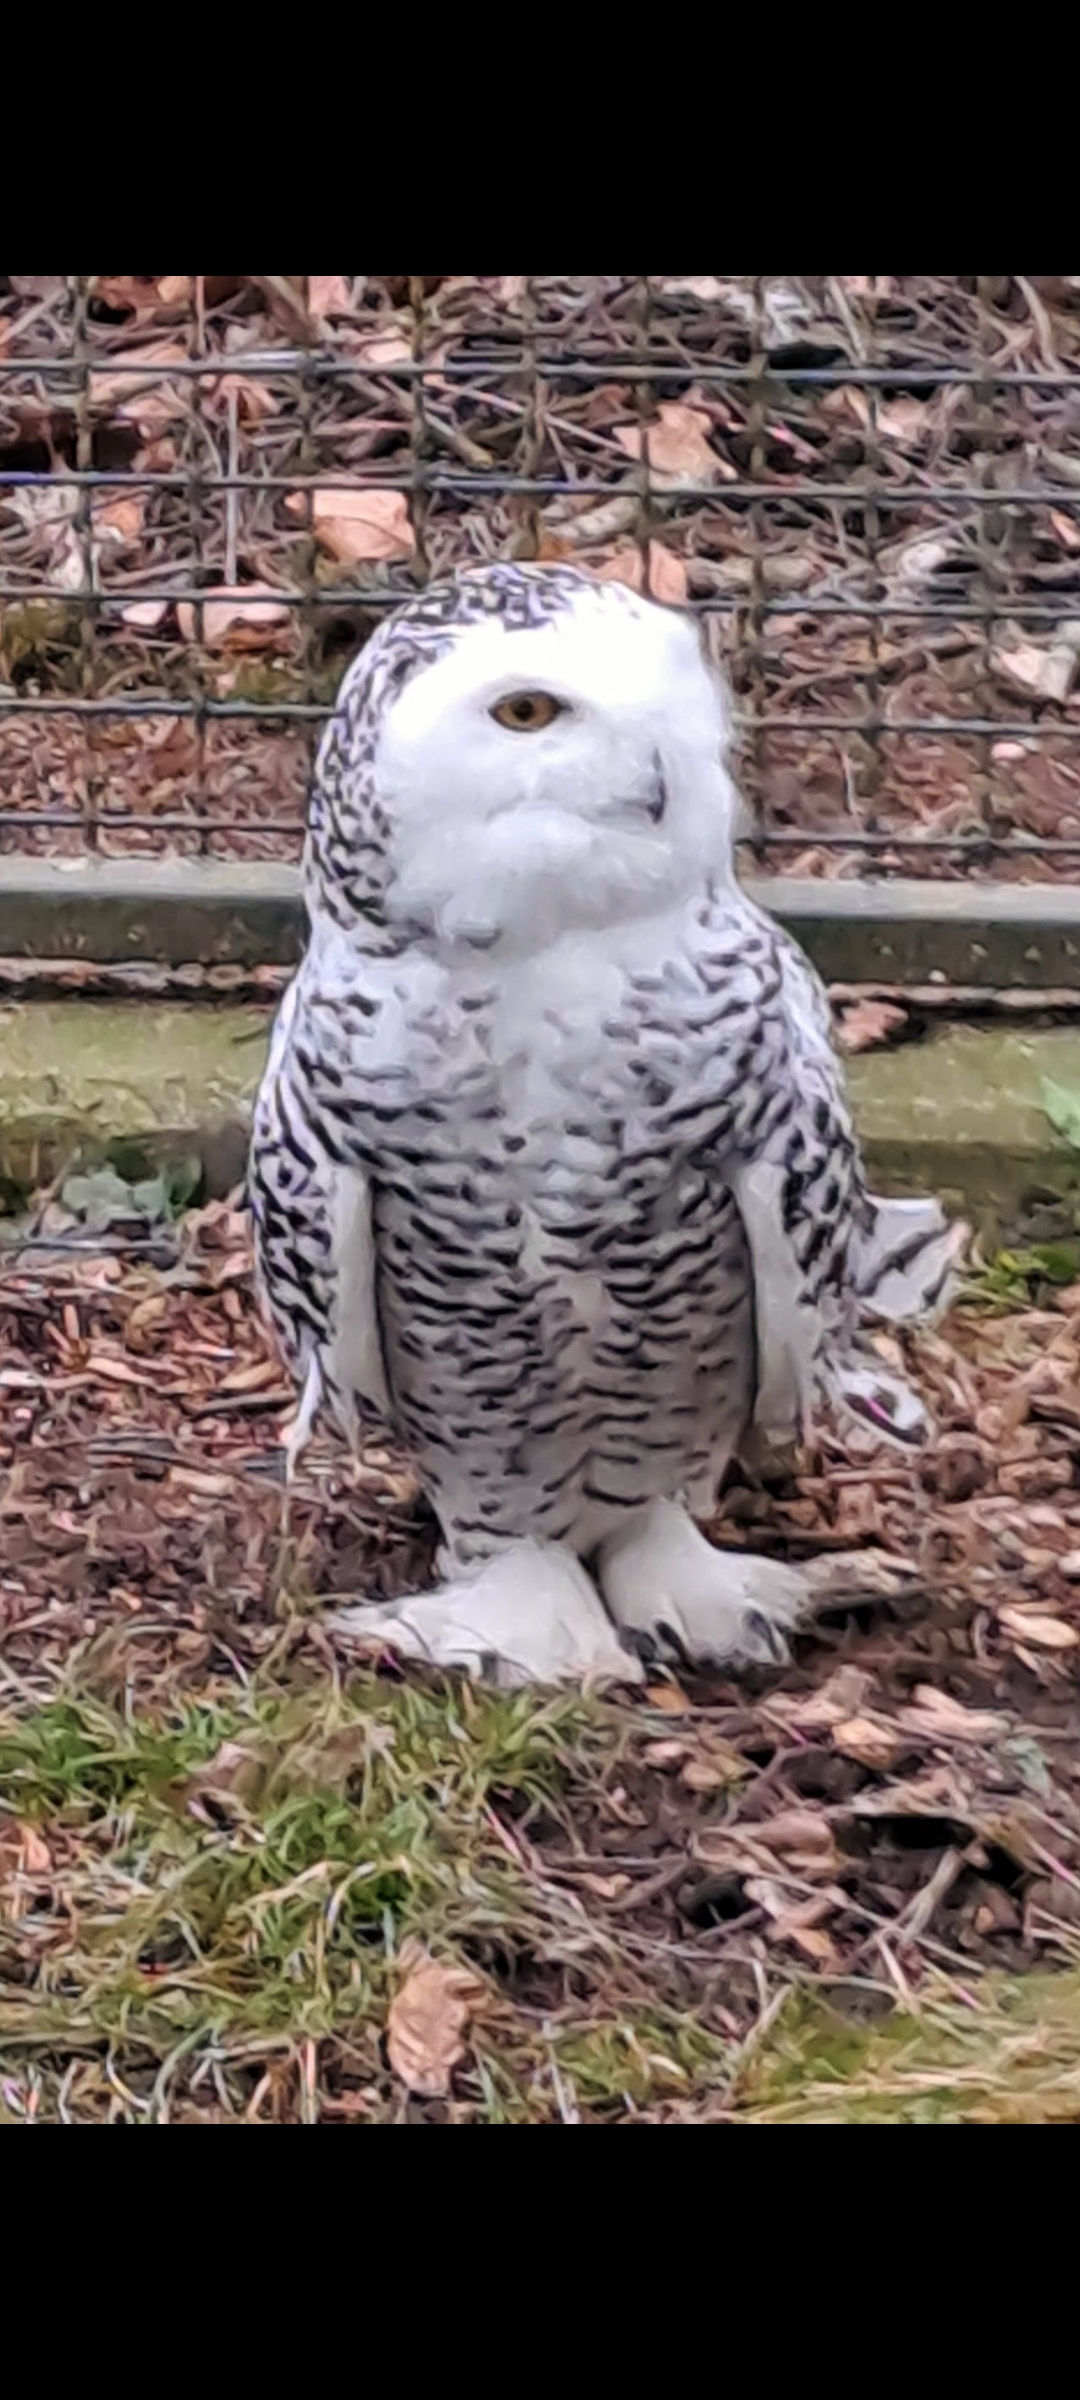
[{"x": 552, "y": 1169}]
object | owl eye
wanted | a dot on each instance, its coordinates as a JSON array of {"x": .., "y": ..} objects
[{"x": 526, "y": 712}]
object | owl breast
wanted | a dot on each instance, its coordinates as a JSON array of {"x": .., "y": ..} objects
[{"x": 567, "y": 1314}]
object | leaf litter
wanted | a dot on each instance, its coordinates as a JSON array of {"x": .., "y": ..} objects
[
  {"x": 240, "y": 1878},
  {"x": 423, "y": 381}
]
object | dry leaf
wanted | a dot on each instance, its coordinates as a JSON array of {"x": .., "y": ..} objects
[
  {"x": 847, "y": 401},
  {"x": 244, "y": 616},
  {"x": 146, "y": 615},
  {"x": 843, "y": 1694},
  {"x": 116, "y": 1370},
  {"x": 678, "y": 450},
  {"x": 938, "y": 1717},
  {"x": 428, "y": 2020},
  {"x": 902, "y": 420},
  {"x": 663, "y": 1755},
  {"x": 869, "y": 1741},
  {"x": 804, "y": 1830},
  {"x": 815, "y": 1944},
  {"x": 229, "y": 1781},
  {"x": 1067, "y": 531},
  {"x": 329, "y": 296},
  {"x": 699, "y": 1776},
  {"x": 670, "y": 1698},
  {"x": 938, "y": 1793},
  {"x": 118, "y": 521},
  {"x": 607, "y": 1887},
  {"x": 1038, "y": 1631},
  {"x": 252, "y": 1379},
  {"x": 382, "y": 350},
  {"x": 784, "y": 1906},
  {"x": 36, "y": 1856},
  {"x": 869, "y": 1024},
  {"x": 917, "y": 562},
  {"x": 1036, "y": 673},
  {"x": 667, "y": 574},
  {"x": 135, "y": 386},
  {"x": 363, "y": 525},
  {"x": 696, "y": 287}
]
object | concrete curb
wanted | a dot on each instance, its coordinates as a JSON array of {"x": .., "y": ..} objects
[
  {"x": 960, "y": 1113},
  {"x": 179, "y": 912}
]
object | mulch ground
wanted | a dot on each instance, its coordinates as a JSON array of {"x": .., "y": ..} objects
[
  {"x": 867, "y": 533},
  {"x": 902, "y": 1803}
]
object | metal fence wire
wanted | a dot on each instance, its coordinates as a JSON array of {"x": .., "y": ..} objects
[{"x": 867, "y": 487}]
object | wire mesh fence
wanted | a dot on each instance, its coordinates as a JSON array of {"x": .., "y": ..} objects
[{"x": 867, "y": 488}]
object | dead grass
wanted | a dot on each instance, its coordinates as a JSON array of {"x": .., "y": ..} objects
[
  {"x": 1007, "y": 2053},
  {"x": 205, "y": 1911}
]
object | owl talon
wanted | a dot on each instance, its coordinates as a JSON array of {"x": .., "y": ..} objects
[
  {"x": 529, "y": 1615},
  {"x": 666, "y": 1586}
]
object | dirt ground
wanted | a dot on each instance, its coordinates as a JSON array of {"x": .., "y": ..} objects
[{"x": 242, "y": 1875}]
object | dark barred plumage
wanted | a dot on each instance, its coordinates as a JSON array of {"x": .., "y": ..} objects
[{"x": 569, "y": 1210}]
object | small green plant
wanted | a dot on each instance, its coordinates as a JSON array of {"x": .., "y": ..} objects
[
  {"x": 1063, "y": 1109},
  {"x": 1017, "y": 1278}
]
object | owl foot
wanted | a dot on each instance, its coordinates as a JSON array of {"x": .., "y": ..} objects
[
  {"x": 529, "y": 1615},
  {"x": 672, "y": 1594}
]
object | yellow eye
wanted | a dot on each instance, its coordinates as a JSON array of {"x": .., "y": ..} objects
[{"x": 526, "y": 712}]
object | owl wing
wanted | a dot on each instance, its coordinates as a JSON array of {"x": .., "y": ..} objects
[
  {"x": 828, "y": 1257},
  {"x": 314, "y": 1239}
]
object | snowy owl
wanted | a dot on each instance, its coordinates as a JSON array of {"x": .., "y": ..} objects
[{"x": 552, "y": 1170}]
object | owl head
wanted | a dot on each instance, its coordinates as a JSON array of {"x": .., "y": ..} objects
[{"x": 519, "y": 751}]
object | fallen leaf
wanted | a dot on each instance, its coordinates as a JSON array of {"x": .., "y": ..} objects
[
  {"x": 119, "y": 520},
  {"x": 902, "y": 420},
  {"x": 937, "y": 1715},
  {"x": 607, "y": 1887},
  {"x": 135, "y": 292},
  {"x": 36, "y": 1854},
  {"x": 667, "y": 574},
  {"x": 696, "y": 287},
  {"x": 804, "y": 1830},
  {"x": 1038, "y": 1631},
  {"x": 1037, "y": 673},
  {"x": 251, "y": 1378},
  {"x": 244, "y": 616},
  {"x": 843, "y": 1694},
  {"x": 869, "y": 1741},
  {"x": 938, "y": 1793},
  {"x": 868, "y": 1025},
  {"x": 663, "y": 1755},
  {"x": 917, "y": 562},
  {"x": 699, "y": 1776},
  {"x": 428, "y": 2020},
  {"x": 677, "y": 446},
  {"x": 382, "y": 350},
  {"x": 329, "y": 296},
  {"x": 669, "y": 1698},
  {"x": 815, "y": 1944},
  {"x": 146, "y": 615},
  {"x": 229, "y": 1780},
  {"x": 135, "y": 386},
  {"x": 116, "y": 1370},
  {"x": 784, "y": 1906},
  {"x": 359, "y": 525}
]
